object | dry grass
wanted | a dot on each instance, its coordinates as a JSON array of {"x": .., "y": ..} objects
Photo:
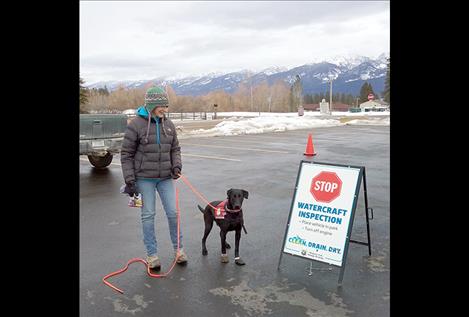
[{"x": 347, "y": 119}]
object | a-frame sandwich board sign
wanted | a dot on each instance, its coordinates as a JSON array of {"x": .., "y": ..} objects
[{"x": 322, "y": 212}]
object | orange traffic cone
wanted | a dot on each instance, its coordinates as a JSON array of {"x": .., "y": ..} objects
[{"x": 309, "y": 146}]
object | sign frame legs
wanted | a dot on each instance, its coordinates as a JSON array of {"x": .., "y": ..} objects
[{"x": 368, "y": 243}]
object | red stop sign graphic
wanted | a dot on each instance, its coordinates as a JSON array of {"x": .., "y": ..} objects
[{"x": 326, "y": 186}]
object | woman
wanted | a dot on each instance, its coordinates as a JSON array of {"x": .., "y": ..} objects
[{"x": 151, "y": 160}]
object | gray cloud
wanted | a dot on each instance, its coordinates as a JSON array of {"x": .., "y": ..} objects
[
  {"x": 142, "y": 40},
  {"x": 269, "y": 14},
  {"x": 114, "y": 61}
]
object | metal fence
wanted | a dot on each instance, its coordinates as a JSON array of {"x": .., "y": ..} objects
[
  {"x": 191, "y": 115},
  {"x": 203, "y": 115}
]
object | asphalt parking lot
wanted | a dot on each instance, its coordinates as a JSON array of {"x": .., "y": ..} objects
[{"x": 266, "y": 165}]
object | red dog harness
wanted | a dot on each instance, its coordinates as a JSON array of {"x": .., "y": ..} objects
[{"x": 221, "y": 210}]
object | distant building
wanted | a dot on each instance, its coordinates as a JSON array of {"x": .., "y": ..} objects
[
  {"x": 374, "y": 105},
  {"x": 383, "y": 103}
]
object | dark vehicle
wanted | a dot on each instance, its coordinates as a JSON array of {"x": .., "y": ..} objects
[{"x": 101, "y": 137}]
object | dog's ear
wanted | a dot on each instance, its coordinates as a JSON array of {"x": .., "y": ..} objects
[
  {"x": 245, "y": 194},
  {"x": 228, "y": 193}
]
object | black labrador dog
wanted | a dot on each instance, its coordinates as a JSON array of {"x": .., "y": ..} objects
[{"x": 229, "y": 216}]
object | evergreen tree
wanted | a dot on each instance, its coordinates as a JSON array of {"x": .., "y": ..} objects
[
  {"x": 296, "y": 94},
  {"x": 336, "y": 97},
  {"x": 83, "y": 95},
  {"x": 376, "y": 95},
  {"x": 308, "y": 99},
  {"x": 350, "y": 100},
  {"x": 321, "y": 96},
  {"x": 316, "y": 98},
  {"x": 365, "y": 91},
  {"x": 291, "y": 99},
  {"x": 387, "y": 83},
  {"x": 103, "y": 91}
]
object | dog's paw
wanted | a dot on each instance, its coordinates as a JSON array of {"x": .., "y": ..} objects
[
  {"x": 239, "y": 261},
  {"x": 224, "y": 258},
  {"x": 227, "y": 245},
  {"x": 204, "y": 252}
]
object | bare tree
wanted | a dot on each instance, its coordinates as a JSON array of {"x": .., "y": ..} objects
[
  {"x": 241, "y": 98},
  {"x": 260, "y": 95},
  {"x": 280, "y": 96}
]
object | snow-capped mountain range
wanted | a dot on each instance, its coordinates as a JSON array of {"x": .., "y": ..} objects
[{"x": 349, "y": 73}]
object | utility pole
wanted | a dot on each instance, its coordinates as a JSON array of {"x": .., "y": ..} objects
[
  {"x": 251, "y": 94},
  {"x": 330, "y": 97}
]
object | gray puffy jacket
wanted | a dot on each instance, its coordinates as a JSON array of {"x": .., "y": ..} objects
[{"x": 150, "y": 149}]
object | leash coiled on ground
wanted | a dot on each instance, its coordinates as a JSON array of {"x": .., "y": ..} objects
[{"x": 145, "y": 262}]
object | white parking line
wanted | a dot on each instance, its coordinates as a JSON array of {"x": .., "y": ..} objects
[
  {"x": 236, "y": 148},
  {"x": 211, "y": 157},
  {"x": 260, "y": 141}
]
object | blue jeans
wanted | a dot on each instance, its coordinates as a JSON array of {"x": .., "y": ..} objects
[{"x": 166, "y": 190}]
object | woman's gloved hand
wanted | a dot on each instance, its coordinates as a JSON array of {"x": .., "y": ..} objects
[
  {"x": 131, "y": 189},
  {"x": 176, "y": 172}
]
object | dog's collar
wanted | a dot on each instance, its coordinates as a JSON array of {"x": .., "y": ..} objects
[{"x": 231, "y": 210}]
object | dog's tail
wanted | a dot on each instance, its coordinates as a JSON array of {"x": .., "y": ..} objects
[{"x": 201, "y": 209}]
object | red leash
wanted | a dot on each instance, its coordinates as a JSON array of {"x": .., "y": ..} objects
[
  {"x": 145, "y": 262},
  {"x": 184, "y": 179}
]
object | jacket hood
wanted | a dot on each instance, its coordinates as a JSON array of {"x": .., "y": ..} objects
[{"x": 142, "y": 112}]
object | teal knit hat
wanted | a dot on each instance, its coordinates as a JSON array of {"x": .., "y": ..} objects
[{"x": 156, "y": 97}]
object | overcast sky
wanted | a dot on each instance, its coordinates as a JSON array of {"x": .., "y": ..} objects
[{"x": 130, "y": 40}]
